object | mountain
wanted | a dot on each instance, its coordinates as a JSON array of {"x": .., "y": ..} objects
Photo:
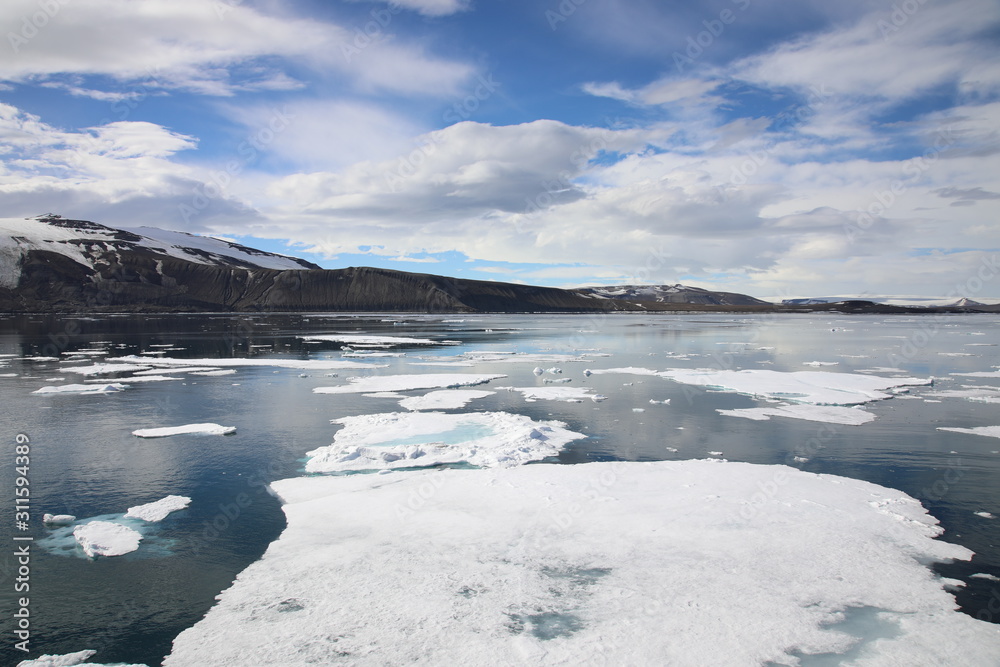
[{"x": 671, "y": 294}]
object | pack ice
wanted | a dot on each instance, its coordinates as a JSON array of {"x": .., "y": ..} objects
[{"x": 684, "y": 563}]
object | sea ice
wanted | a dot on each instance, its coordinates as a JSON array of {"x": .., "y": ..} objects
[
  {"x": 817, "y": 387},
  {"x": 631, "y": 370},
  {"x": 360, "y": 340},
  {"x": 78, "y": 659},
  {"x": 985, "y": 515},
  {"x": 105, "y": 538},
  {"x": 200, "y": 429},
  {"x": 990, "y": 431},
  {"x": 106, "y": 369},
  {"x": 82, "y": 389},
  {"x": 832, "y": 414},
  {"x": 565, "y": 394},
  {"x": 685, "y": 563},
  {"x": 142, "y": 378},
  {"x": 445, "y": 399},
  {"x": 413, "y": 439},
  {"x": 158, "y": 511},
  {"x": 58, "y": 519},
  {"x": 282, "y": 362},
  {"x": 216, "y": 373},
  {"x": 362, "y": 385}
]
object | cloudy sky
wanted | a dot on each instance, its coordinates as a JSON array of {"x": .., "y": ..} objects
[{"x": 773, "y": 147}]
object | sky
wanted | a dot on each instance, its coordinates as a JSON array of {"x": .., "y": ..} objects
[{"x": 770, "y": 147}]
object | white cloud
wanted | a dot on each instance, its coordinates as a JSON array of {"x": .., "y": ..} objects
[
  {"x": 429, "y": 7},
  {"x": 212, "y": 48}
]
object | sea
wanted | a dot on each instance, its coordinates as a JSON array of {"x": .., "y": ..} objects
[{"x": 83, "y": 459}]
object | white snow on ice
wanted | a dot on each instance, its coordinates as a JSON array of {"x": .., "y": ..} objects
[
  {"x": 362, "y": 340},
  {"x": 989, "y": 431},
  {"x": 158, "y": 511},
  {"x": 685, "y": 563},
  {"x": 380, "y": 383},
  {"x": 832, "y": 414},
  {"x": 77, "y": 659},
  {"x": 298, "y": 364},
  {"x": 445, "y": 399},
  {"x": 82, "y": 389},
  {"x": 107, "y": 369},
  {"x": 564, "y": 394},
  {"x": 105, "y": 538},
  {"x": 200, "y": 429},
  {"x": 412, "y": 439}
]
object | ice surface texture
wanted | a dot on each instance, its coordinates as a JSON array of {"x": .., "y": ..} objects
[
  {"x": 686, "y": 563},
  {"x": 379, "y": 383},
  {"x": 412, "y": 439},
  {"x": 105, "y": 538},
  {"x": 201, "y": 429}
]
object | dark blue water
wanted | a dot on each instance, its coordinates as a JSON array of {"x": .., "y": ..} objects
[{"x": 85, "y": 462}]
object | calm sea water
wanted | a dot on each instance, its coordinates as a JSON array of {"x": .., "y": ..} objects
[{"x": 85, "y": 462}]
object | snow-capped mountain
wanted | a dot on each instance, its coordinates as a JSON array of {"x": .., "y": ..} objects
[
  {"x": 92, "y": 244},
  {"x": 672, "y": 294}
]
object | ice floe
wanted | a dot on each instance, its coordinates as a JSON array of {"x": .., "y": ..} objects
[
  {"x": 77, "y": 659},
  {"x": 445, "y": 399},
  {"x": 298, "y": 364},
  {"x": 675, "y": 562},
  {"x": 58, "y": 519},
  {"x": 631, "y": 370},
  {"x": 82, "y": 389},
  {"x": 989, "y": 431},
  {"x": 106, "y": 538},
  {"x": 142, "y": 378},
  {"x": 216, "y": 373},
  {"x": 817, "y": 387},
  {"x": 565, "y": 394},
  {"x": 200, "y": 429},
  {"x": 831, "y": 414},
  {"x": 413, "y": 439},
  {"x": 377, "y": 383},
  {"x": 107, "y": 369},
  {"x": 158, "y": 511},
  {"x": 361, "y": 340}
]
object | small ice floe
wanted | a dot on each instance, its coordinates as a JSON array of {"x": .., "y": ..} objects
[
  {"x": 158, "y": 511},
  {"x": 630, "y": 370},
  {"x": 597, "y": 398},
  {"x": 363, "y": 340},
  {"x": 989, "y": 431},
  {"x": 983, "y": 575},
  {"x": 671, "y": 449},
  {"x": 557, "y": 381},
  {"x": 800, "y": 459},
  {"x": 78, "y": 659},
  {"x": 565, "y": 394},
  {"x": 176, "y": 369},
  {"x": 538, "y": 370},
  {"x": 8, "y": 375},
  {"x": 715, "y": 453},
  {"x": 107, "y": 369},
  {"x": 140, "y": 379},
  {"x": 444, "y": 399},
  {"x": 665, "y": 401},
  {"x": 82, "y": 389},
  {"x": 985, "y": 515},
  {"x": 831, "y": 414},
  {"x": 216, "y": 373},
  {"x": 279, "y": 362},
  {"x": 384, "y": 394},
  {"x": 820, "y": 363},
  {"x": 418, "y": 439},
  {"x": 105, "y": 538},
  {"x": 363, "y": 385},
  {"x": 187, "y": 429},
  {"x": 58, "y": 519},
  {"x": 638, "y": 409}
]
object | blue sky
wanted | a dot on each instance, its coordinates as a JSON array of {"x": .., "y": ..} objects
[{"x": 763, "y": 146}]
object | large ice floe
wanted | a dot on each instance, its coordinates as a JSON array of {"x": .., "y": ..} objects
[
  {"x": 989, "y": 431},
  {"x": 106, "y": 538},
  {"x": 416, "y": 439},
  {"x": 82, "y": 388},
  {"x": 816, "y": 387},
  {"x": 158, "y": 510},
  {"x": 370, "y": 341},
  {"x": 383, "y": 383},
  {"x": 831, "y": 414},
  {"x": 444, "y": 399},
  {"x": 77, "y": 659},
  {"x": 684, "y": 563}
]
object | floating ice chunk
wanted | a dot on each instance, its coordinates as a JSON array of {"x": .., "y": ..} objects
[
  {"x": 181, "y": 369},
  {"x": 200, "y": 429},
  {"x": 78, "y": 659},
  {"x": 638, "y": 409},
  {"x": 361, "y": 340},
  {"x": 982, "y": 575},
  {"x": 673, "y": 562},
  {"x": 106, "y": 369},
  {"x": 557, "y": 381},
  {"x": 280, "y": 362},
  {"x": 216, "y": 373},
  {"x": 820, "y": 363},
  {"x": 414, "y": 439},
  {"x": 539, "y": 370},
  {"x": 82, "y": 389},
  {"x": 597, "y": 398},
  {"x": 158, "y": 511},
  {"x": 565, "y": 394},
  {"x": 361, "y": 385},
  {"x": 715, "y": 453},
  {"x": 980, "y": 374},
  {"x": 140, "y": 379},
  {"x": 631, "y": 370},
  {"x": 665, "y": 401},
  {"x": 985, "y": 515},
  {"x": 445, "y": 399},
  {"x": 817, "y": 387},
  {"x": 495, "y": 356},
  {"x": 989, "y": 431},
  {"x": 105, "y": 538},
  {"x": 58, "y": 519},
  {"x": 8, "y": 375},
  {"x": 831, "y": 414}
]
